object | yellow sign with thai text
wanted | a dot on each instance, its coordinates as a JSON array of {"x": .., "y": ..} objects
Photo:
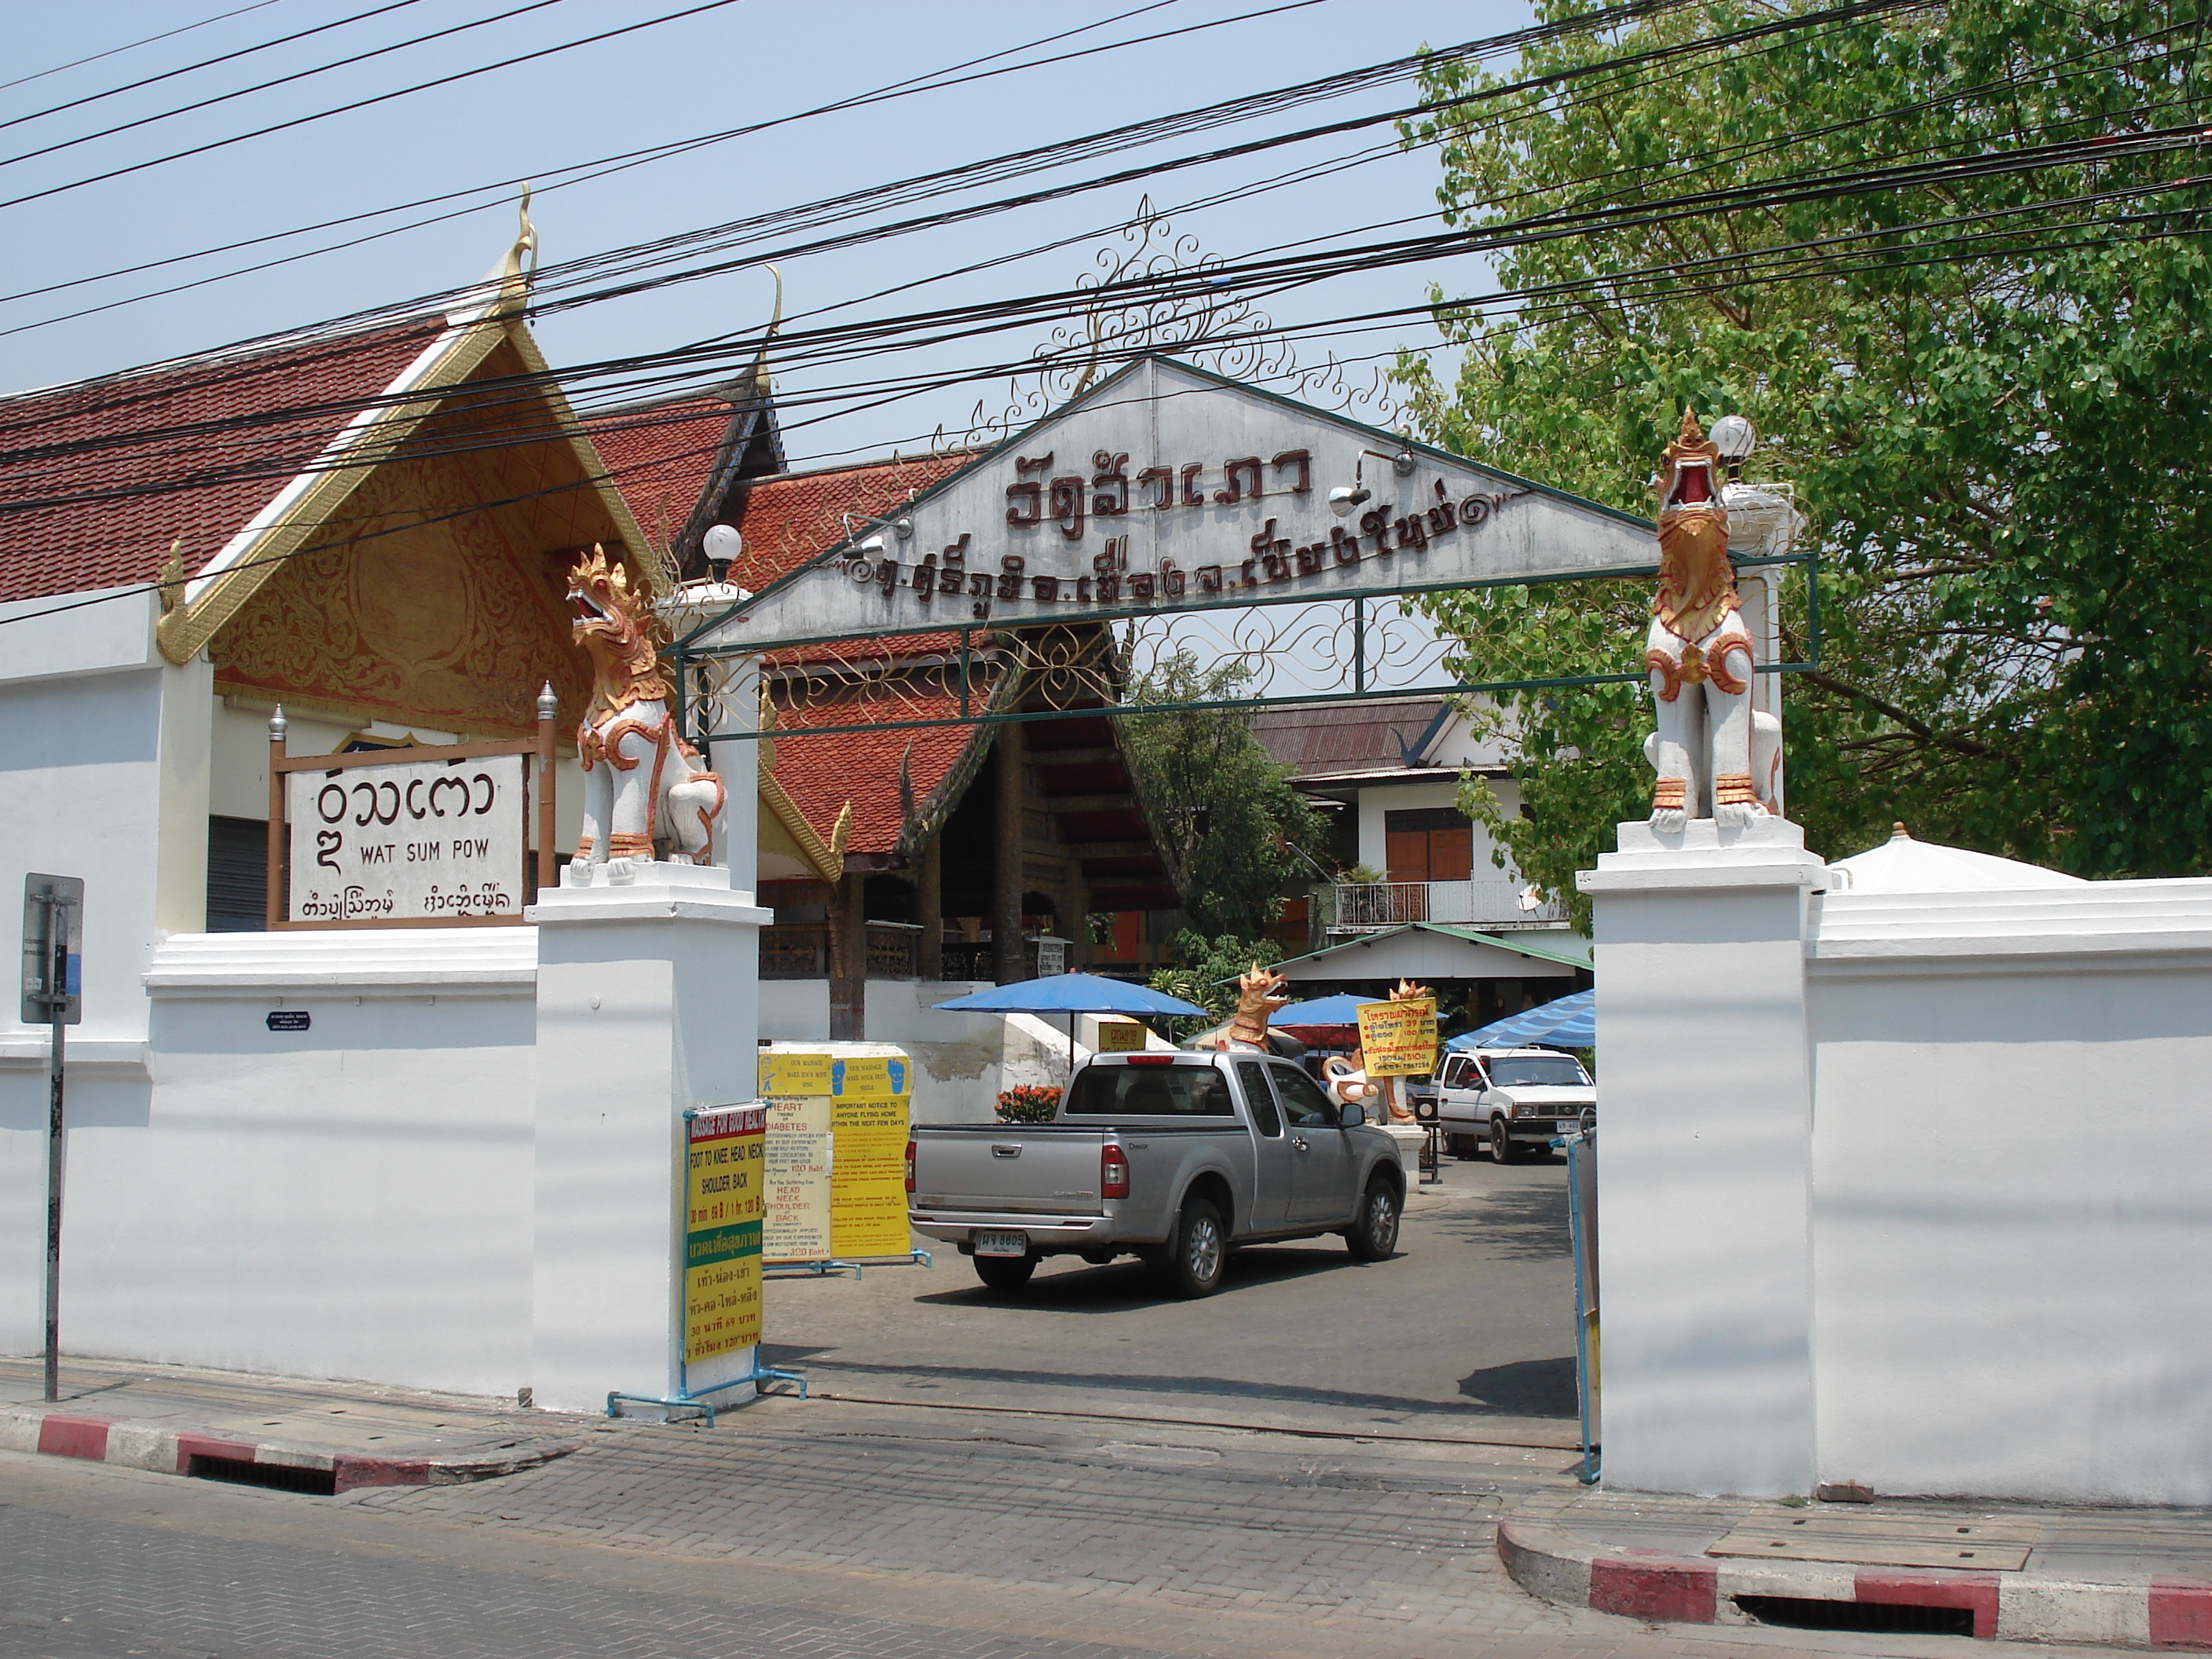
[
  {"x": 1121, "y": 1036},
  {"x": 1399, "y": 1039},
  {"x": 722, "y": 1219}
]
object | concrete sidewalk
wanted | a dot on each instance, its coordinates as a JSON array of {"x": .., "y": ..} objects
[
  {"x": 280, "y": 1431},
  {"x": 2138, "y": 1578}
]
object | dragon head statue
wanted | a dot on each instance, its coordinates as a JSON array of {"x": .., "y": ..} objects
[
  {"x": 611, "y": 621},
  {"x": 1258, "y": 995},
  {"x": 1696, "y": 583}
]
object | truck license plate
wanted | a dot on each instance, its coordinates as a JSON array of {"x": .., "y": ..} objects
[
  {"x": 1002, "y": 1243},
  {"x": 1569, "y": 1125}
]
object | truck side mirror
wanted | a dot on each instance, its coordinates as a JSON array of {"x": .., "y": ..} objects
[{"x": 1352, "y": 1114}]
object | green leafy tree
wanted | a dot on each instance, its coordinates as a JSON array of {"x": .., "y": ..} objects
[
  {"x": 1224, "y": 817},
  {"x": 1991, "y": 391},
  {"x": 1206, "y": 972}
]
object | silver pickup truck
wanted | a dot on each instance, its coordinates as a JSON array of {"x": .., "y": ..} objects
[{"x": 1176, "y": 1158}]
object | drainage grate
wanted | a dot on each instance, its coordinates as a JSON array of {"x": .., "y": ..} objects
[
  {"x": 1808, "y": 1613},
  {"x": 278, "y": 1477}
]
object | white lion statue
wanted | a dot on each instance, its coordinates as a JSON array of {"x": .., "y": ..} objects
[{"x": 643, "y": 784}]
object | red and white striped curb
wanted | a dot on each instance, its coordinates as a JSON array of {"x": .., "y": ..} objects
[
  {"x": 164, "y": 1450},
  {"x": 2137, "y": 1611}
]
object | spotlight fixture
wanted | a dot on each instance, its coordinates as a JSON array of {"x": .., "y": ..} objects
[{"x": 1345, "y": 497}]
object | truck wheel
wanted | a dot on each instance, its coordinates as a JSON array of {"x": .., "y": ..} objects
[
  {"x": 1201, "y": 1248},
  {"x": 1374, "y": 1236},
  {"x": 1005, "y": 1273},
  {"x": 1465, "y": 1147},
  {"x": 1501, "y": 1148}
]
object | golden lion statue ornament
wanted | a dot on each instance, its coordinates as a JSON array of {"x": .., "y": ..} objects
[
  {"x": 643, "y": 785},
  {"x": 1699, "y": 657}
]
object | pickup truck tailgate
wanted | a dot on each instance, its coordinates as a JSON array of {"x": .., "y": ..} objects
[{"x": 1008, "y": 1169}]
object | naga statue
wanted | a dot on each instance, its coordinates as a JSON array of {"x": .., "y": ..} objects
[
  {"x": 1259, "y": 993},
  {"x": 642, "y": 783},
  {"x": 1345, "y": 1076},
  {"x": 1711, "y": 750}
]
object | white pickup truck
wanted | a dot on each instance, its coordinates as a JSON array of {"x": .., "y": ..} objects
[
  {"x": 1176, "y": 1158},
  {"x": 1511, "y": 1100}
]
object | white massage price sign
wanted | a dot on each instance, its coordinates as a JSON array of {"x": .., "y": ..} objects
[{"x": 411, "y": 840}]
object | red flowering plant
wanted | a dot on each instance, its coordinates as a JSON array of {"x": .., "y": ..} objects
[{"x": 1028, "y": 1103}]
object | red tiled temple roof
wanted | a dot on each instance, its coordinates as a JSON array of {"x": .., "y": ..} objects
[
  {"x": 661, "y": 458},
  {"x": 787, "y": 518},
  {"x": 820, "y": 775},
  {"x": 98, "y": 478}
]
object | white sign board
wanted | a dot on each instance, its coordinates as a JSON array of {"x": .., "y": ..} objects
[
  {"x": 426, "y": 840},
  {"x": 1167, "y": 488}
]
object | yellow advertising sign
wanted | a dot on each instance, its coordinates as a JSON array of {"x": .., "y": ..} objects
[
  {"x": 1399, "y": 1039},
  {"x": 722, "y": 1218},
  {"x": 1121, "y": 1036},
  {"x": 867, "y": 1189},
  {"x": 797, "y": 1178}
]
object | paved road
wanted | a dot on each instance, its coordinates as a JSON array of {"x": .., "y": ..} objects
[
  {"x": 835, "y": 1530},
  {"x": 1467, "y": 1333}
]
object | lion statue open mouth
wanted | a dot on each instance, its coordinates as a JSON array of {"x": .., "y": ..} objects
[{"x": 643, "y": 785}]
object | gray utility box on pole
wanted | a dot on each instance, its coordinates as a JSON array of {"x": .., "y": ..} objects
[{"x": 53, "y": 958}]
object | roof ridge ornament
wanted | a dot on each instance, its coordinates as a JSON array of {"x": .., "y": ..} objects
[{"x": 514, "y": 280}]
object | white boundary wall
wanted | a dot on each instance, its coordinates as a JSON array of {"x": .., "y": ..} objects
[
  {"x": 354, "y": 1200},
  {"x": 1909, "y": 1189}
]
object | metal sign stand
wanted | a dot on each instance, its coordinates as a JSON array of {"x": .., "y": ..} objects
[
  {"x": 685, "y": 1396},
  {"x": 829, "y": 1265},
  {"x": 1582, "y": 1234},
  {"x": 53, "y": 946}
]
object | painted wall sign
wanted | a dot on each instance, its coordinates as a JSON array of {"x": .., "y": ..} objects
[
  {"x": 722, "y": 1223},
  {"x": 1167, "y": 487},
  {"x": 289, "y": 1019},
  {"x": 425, "y": 840},
  {"x": 1399, "y": 1039}
]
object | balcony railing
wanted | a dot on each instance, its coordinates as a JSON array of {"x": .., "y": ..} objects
[{"x": 1359, "y": 907}]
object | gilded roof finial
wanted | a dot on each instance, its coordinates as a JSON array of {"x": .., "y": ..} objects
[
  {"x": 1897, "y": 831},
  {"x": 513, "y": 280},
  {"x": 172, "y": 578},
  {"x": 774, "y": 322}
]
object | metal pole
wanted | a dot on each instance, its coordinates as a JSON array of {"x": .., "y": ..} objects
[
  {"x": 1577, "y": 1144},
  {"x": 549, "y": 708},
  {"x": 58, "y": 1008},
  {"x": 273, "y": 907}
]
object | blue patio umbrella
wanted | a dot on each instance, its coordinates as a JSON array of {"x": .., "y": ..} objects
[
  {"x": 1569, "y": 1023},
  {"x": 1071, "y": 994}
]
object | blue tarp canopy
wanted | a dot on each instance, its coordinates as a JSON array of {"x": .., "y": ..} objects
[
  {"x": 1339, "y": 1010},
  {"x": 1569, "y": 1023},
  {"x": 1071, "y": 993}
]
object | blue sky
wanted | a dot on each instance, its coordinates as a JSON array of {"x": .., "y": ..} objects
[{"x": 741, "y": 62}]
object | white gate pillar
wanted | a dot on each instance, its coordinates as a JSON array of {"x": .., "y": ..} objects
[
  {"x": 1704, "y": 1158},
  {"x": 649, "y": 1003}
]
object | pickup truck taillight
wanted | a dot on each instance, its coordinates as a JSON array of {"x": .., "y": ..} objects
[
  {"x": 910, "y": 1166},
  {"x": 1113, "y": 1172}
]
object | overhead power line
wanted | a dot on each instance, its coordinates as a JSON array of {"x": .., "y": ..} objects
[
  {"x": 205, "y": 62},
  {"x": 366, "y": 103},
  {"x": 1129, "y": 136},
  {"x": 946, "y": 325},
  {"x": 116, "y": 51}
]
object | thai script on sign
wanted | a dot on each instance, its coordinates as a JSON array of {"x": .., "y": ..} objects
[{"x": 1063, "y": 508}]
